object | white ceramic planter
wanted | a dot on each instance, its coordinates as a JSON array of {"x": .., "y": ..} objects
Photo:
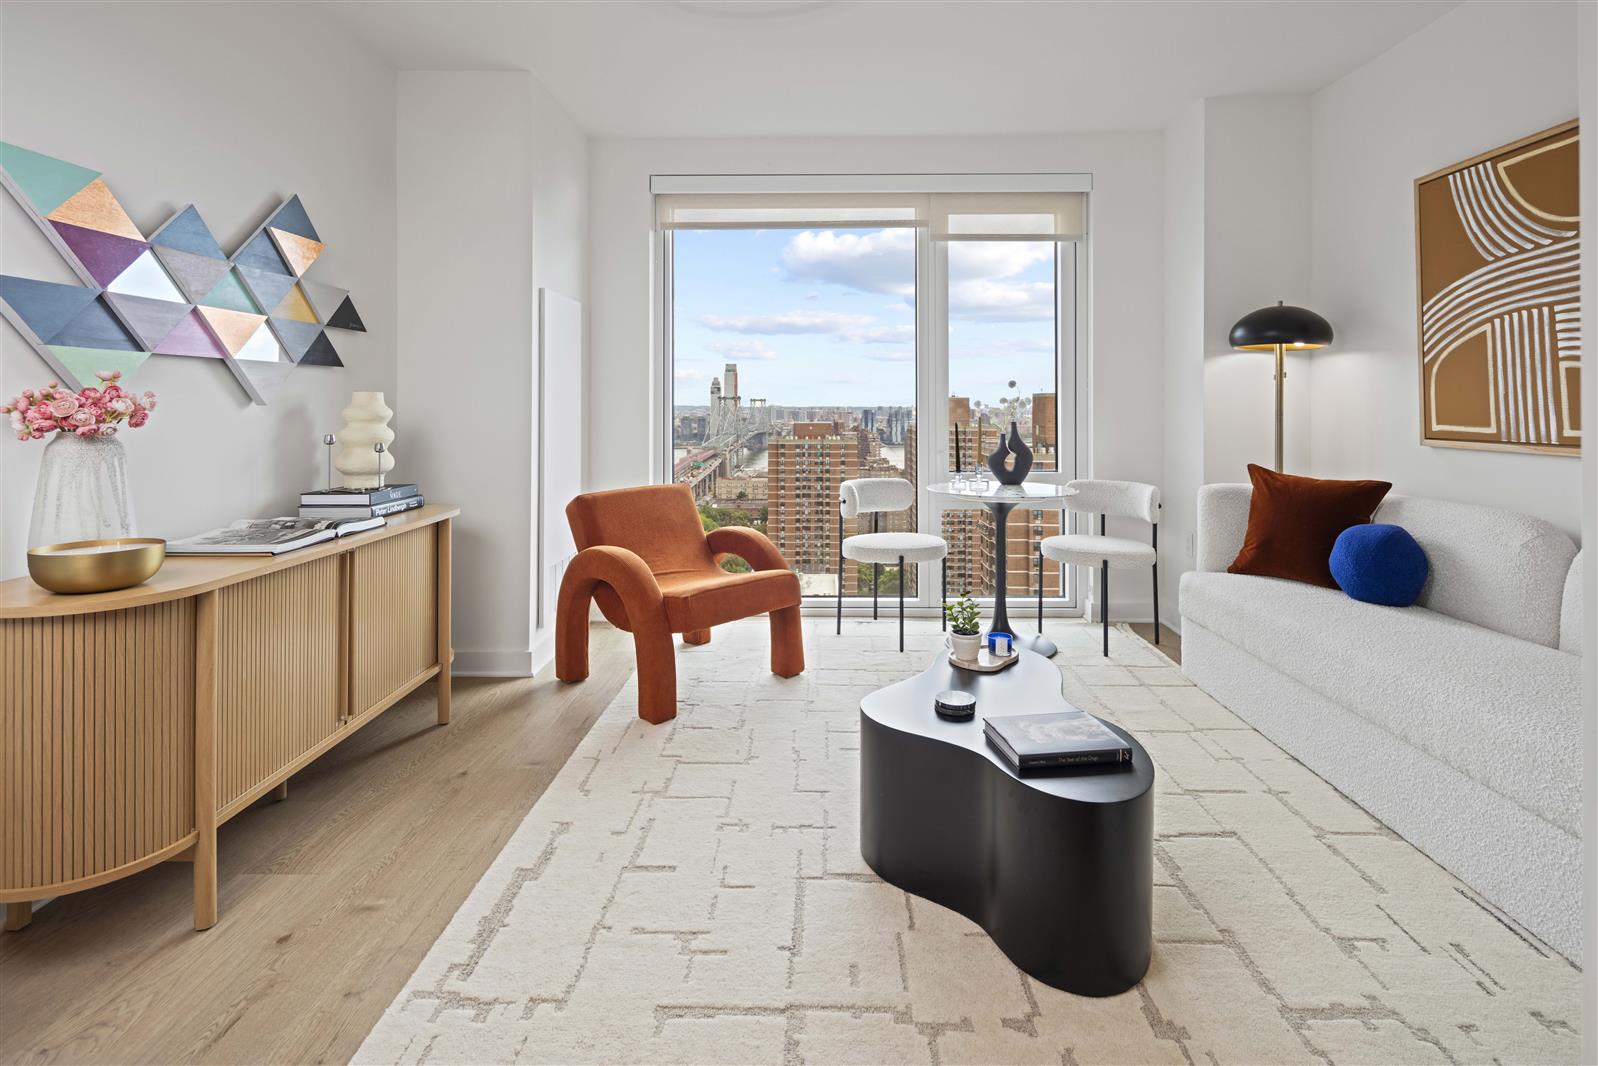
[
  {"x": 966, "y": 646},
  {"x": 82, "y": 492},
  {"x": 365, "y": 424}
]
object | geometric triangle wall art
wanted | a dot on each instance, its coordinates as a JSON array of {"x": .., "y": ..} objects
[
  {"x": 296, "y": 307},
  {"x": 321, "y": 352},
  {"x": 296, "y": 337},
  {"x": 138, "y": 295},
  {"x": 190, "y": 337},
  {"x": 150, "y": 320},
  {"x": 299, "y": 252}
]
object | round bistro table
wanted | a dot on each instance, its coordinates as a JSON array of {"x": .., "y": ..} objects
[
  {"x": 1000, "y": 500},
  {"x": 1058, "y": 867}
]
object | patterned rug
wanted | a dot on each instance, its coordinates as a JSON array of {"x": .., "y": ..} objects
[{"x": 694, "y": 892}]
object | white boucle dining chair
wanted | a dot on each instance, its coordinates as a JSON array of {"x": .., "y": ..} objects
[
  {"x": 873, "y": 496},
  {"x": 1122, "y": 499}
]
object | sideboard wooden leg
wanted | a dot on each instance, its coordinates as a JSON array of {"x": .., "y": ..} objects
[
  {"x": 280, "y": 793},
  {"x": 445, "y": 654},
  {"x": 205, "y": 696},
  {"x": 18, "y": 915}
]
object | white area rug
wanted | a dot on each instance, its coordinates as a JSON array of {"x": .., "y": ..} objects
[{"x": 694, "y": 892}]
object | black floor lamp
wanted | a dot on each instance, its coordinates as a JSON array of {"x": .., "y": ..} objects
[{"x": 1279, "y": 329}]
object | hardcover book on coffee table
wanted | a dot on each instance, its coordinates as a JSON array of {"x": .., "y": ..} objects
[{"x": 1046, "y": 741}]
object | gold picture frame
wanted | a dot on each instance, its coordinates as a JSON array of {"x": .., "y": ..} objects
[{"x": 1498, "y": 298}]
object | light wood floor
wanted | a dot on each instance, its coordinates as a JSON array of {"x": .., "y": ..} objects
[
  {"x": 1170, "y": 640},
  {"x": 329, "y": 900}
]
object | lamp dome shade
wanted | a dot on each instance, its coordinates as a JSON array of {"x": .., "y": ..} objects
[{"x": 1291, "y": 327}]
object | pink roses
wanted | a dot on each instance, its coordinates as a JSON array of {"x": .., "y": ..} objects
[{"x": 90, "y": 412}]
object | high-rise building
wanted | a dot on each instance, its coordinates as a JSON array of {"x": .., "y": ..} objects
[
  {"x": 1045, "y": 428},
  {"x": 731, "y": 378},
  {"x": 804, "y": 473}
]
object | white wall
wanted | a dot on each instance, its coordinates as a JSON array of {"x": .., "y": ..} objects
[
  {"x": 1184, "y": 349},
  {"x": 1256, "y": 228},
  {"x": 1478, "y": 77},
  {"x": 492, "y": 183},
  {"x": 168, "y": 101},
  {"x": 1125, "y": 287}
]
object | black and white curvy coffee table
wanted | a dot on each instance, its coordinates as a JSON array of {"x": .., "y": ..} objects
[{"x": 1057, "y": 868}]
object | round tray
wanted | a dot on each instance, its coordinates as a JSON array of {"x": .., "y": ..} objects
[{"x": 986, "y": 662}]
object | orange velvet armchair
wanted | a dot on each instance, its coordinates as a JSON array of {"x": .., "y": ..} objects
[{"x": 644, "y": 557}]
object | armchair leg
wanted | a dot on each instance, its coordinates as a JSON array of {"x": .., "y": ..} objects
[
  {"x": 696, "y": 636},
  {"x": 571, "y": 634},
  {"x": 787, "y": 642},
  {"x": 657, "y": 673}
]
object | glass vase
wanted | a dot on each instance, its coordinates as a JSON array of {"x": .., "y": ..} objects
[{"x": 82, "y": 493}]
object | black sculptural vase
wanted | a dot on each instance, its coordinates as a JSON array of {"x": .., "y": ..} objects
[{"x": 1015, "y": 449}]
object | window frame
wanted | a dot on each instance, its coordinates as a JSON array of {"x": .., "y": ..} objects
[{"x": 1072, "y": 310}]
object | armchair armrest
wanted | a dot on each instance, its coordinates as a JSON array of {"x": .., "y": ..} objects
[
  {"x": 619, "y": 568},
  {"x": 750, "y": 545}
]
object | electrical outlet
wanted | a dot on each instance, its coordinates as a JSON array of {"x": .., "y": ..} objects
[{"x": 1190, "y": 545}]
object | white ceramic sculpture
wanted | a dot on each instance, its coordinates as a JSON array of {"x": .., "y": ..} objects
[{"x": 365, "y": 424}]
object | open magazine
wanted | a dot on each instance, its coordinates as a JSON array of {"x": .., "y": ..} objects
[{"x": 269, "y": 536}]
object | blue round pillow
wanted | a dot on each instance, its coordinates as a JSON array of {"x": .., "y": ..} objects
[{"x": 1379, "y": 564}]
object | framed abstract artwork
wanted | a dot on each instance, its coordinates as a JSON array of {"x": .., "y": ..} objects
[
  {"x": 1498, "y": 277},
  {"x": 173, "y": 291}
]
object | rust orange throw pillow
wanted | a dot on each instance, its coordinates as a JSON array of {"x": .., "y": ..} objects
[{"x": 1294, "y": 521}]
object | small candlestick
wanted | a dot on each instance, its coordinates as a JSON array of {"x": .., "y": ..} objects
[
  {"x": 379, "y": 449},
  {"x": 329, "y": 440}
]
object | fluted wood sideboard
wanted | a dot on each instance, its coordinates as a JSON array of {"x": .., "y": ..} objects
[{"x": 134, "y": 723}]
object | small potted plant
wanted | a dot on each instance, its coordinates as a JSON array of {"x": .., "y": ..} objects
[{"x": 965, "y": 627}]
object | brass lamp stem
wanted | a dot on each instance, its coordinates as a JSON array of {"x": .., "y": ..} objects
[{"x": 1281, "y": 375}]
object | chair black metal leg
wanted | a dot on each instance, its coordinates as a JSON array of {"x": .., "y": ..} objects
[
  {"x": 901, "y": 603},
  {"x": 876, "y": 579},
  {"x": 1104, "y": 604},
  {"x": 1154, "y": 536},
  {"x": 840, "y": 570},
  {"x": 943, "y": 590},
  {"x": 1156, "y": 603}
]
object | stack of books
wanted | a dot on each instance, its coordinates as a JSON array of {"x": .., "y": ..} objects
[
  {"x": 1052, "y": 741},
  {"x": 360, "y": 503}
]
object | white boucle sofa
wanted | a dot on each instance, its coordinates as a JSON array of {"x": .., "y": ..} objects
[{"x": 1457, "y": 722}]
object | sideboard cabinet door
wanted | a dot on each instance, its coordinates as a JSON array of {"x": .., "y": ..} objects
[{"x": 393, "y": 621}]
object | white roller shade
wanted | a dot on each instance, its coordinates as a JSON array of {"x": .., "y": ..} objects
[
  {"x": 1017, "y": 216},
  {"x": 988, "y": 216},
  {"x": 788, "y": 210}
]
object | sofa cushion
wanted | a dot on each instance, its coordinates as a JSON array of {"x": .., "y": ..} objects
[
  {"x": 1294, "y": 521},
  {"x": 1570, "y": 610},
  {"x": 1505, "y": 712},
  {"x": 1379, "y": 563},
  {"x": 1500, "y": 569}
]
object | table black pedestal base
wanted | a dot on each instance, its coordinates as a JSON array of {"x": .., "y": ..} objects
[{"x": 1058, "y": 869}]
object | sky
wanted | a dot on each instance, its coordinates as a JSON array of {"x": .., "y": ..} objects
[{"x": 827, "y": 317}]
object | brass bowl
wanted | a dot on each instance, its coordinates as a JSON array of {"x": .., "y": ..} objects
[{"x": 80, "y": 566}]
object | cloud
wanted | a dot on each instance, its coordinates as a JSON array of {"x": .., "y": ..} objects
[
  {"x": 895, "y": 356},
  {"x": 880, "y": 262},
  {"x": 750, "y": 349},
  {"x": 856, "y": 329},
  {"x": 998, "y": 301},
  {"x": 883, "y": 262},
  {"x": 688, "y": 373},
  {"x": 787, "y": 322}
]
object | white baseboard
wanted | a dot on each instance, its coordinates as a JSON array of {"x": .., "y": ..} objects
[{"x": 506, "y": 663}]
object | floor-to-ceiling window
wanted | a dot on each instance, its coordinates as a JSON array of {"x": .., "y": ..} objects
[{"x": 803, "y": 333}]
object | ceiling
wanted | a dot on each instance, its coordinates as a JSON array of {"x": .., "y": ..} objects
[{"x": 685, "y": 68}]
